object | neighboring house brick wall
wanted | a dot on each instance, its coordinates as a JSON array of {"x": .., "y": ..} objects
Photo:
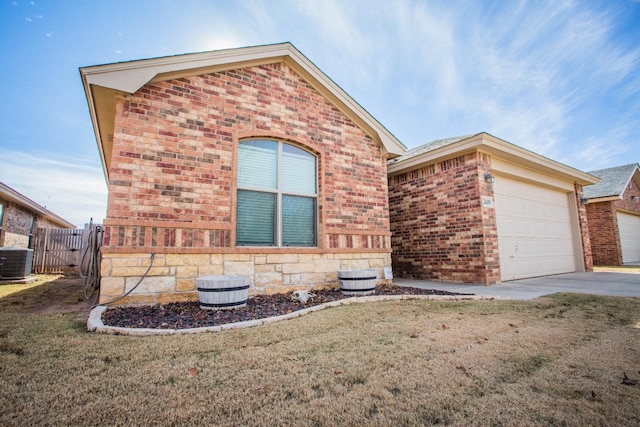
[
  {"x": 17, "y": 226},
  {"x": 16, "y": 229},
  {"x": 627, "y": 203},
  {"x": 439, "y": 229},
  {"x": 603, "y": 226},
  {"x": 172, "y": 184}
]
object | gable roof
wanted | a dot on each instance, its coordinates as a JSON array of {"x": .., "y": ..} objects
[
  {"x": 449, "y": 147},
  {"x": 104, "y": 83},
  {"x": 12, "y": 195},
  {"x": 613, "y": 182}
]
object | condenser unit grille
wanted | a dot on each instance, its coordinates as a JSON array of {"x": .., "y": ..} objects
[{"x": 15, "y": 263}]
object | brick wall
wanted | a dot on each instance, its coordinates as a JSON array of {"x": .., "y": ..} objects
[
  {"x": 583, "y": 222},
  {"x": 172, "y": 174},
  {"x": 17, "y": 225},
  {"x": 628, "y": 203},
  {"x": 439, "y": 229},
  {"x": 603, "y": 226},
  {"x": 604, "y": 234}
]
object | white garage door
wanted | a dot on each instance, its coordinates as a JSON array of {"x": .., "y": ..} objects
[
  {"x": 629, "y": 226},
  {"x": 535, "y": 236}
]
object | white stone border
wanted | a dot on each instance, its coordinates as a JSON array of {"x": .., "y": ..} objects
[{"x": 95, "y": 324}]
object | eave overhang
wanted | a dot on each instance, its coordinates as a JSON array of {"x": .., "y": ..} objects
[
  {"x": 487, "y": 143},
  {"x": 103, "y": 84}
]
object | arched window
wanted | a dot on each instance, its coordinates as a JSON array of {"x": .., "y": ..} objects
[{"x": 277, "y": 195}]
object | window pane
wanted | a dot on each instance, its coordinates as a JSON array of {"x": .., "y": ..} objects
[
  {"x": 257, "y": 164},
  {"x": 298, "y": 221},
  {"x": 298, "y": 170},
  {"x": 256, "y": 213}
]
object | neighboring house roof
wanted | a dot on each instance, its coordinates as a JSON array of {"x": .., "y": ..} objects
[
  {"x": 12, "y": 195},
  {"x": 449, "y": 147},
  {"x": 613, "y": 182},
  {"x": 104, "y": 83}
]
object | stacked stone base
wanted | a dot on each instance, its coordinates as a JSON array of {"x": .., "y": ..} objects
[{"x": 172, "y": 276}]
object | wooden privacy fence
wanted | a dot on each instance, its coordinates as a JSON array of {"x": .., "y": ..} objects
[{"x": 60, "y": 250}]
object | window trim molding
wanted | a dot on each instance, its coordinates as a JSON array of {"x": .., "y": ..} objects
[{"x": 279, "y": 193}]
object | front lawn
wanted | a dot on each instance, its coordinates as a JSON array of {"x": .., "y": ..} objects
[{"x": 558, "y": 360}]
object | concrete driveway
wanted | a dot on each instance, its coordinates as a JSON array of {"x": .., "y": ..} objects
[{"x": 599, "y": 283}]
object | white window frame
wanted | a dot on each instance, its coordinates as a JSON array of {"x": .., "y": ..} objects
[{"x": 280, "y": 193}]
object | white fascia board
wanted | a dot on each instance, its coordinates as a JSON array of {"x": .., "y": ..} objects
[
  {"x": 424, "y": 159},
  {"x": 635, "y": 175},
  {"x": 604, "y": 199},
  {"x": 506, "y": 149},
  {"x": 129, "y": 77},
  {"x": 498, "y": 147}
]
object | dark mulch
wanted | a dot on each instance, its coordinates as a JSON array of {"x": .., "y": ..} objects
[{"x": 186, "y": 315}]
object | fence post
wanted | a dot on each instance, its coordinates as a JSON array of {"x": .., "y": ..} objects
[{"x": 44, "y": 249}]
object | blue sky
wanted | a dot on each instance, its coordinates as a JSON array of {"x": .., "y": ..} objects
[{"x": 560, "y": 78}]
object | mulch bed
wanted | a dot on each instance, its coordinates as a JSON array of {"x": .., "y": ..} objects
[{"x": 185, "y": 315}]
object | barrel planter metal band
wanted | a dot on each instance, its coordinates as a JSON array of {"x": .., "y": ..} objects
[
  {"x": 357, "y": 282},
  {"x": 223, "y": 292},
  {"x": 238, "y": 288}
]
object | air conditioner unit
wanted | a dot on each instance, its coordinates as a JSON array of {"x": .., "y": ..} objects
[{"x": 15, "y": 263}]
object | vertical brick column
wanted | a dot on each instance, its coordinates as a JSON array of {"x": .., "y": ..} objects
[{"x": 584, "y": 230}]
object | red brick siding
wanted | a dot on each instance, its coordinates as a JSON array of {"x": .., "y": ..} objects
[
  {"x": 585, "y": 238},
  {"x": 628, "y": 203},
  {"x": 604, "y": 234},
  {"x": 439, "y": 229},
  {"x": 16, "y": 227},
  {"x": 172, "y": 173}
]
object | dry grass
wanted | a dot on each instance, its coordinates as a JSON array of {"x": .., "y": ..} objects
[
  {"x": 557, "y": 360},
  {"x": 631, "y": 268},
  {"x": 7, "y": 289}
]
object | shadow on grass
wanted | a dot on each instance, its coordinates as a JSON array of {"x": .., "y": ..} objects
[{"x": 59, "y": 295}]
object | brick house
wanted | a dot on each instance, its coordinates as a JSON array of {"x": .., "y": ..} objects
[
  {"x": 613, "y": 214},
  {"x": 21, "y": 216},
  {"x": 239, "y": 161},
  {"x": 478, "y": 209}
]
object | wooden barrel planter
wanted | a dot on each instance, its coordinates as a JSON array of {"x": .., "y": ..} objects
[
  {"x": 223, "y": 292},
  {"x": 357, "y": 282}
]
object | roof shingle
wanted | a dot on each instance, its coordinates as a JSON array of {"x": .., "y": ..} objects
[{"x": 613, "y": 181}]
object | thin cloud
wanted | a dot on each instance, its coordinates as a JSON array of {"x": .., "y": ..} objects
[
  {"x": 76, "y": 192},
  {"x": 523, "y": 73}
]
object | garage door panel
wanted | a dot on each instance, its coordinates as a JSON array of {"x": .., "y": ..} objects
[
  {"x": 533, "y": 266},
  {"x": 535, "y": 236},
  {"x": 629, "y": 228},
  {"x": 537, "y": 248}
]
